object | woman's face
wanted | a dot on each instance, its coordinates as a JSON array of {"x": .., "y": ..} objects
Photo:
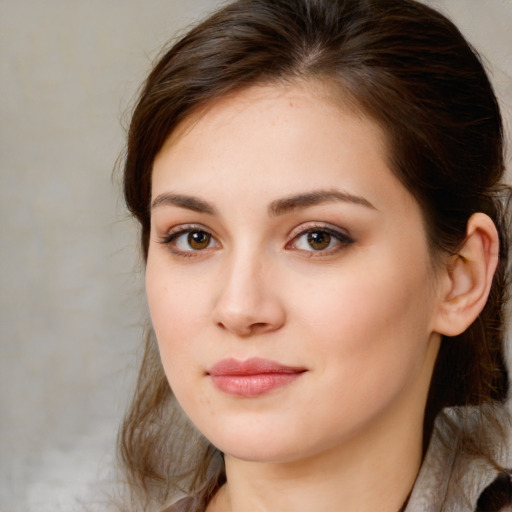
[{"x": 288, "y": 277}]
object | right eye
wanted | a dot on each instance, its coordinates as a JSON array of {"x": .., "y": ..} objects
[{"x": 189, "y": 240}]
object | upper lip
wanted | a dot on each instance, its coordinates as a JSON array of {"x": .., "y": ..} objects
[{"x": 253, "y": 366}]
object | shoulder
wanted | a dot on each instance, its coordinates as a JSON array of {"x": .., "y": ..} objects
[
  {"x": 461, "y": 470},
  {"x": 188, "y": 504},
  {"x": 191, "y": 504},
  {"x": 498, "y": 495}
]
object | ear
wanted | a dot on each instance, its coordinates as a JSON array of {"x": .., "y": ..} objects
[{"x": 467, "y": 277}]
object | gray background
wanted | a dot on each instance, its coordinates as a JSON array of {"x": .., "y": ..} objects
[{"x": 71, "y": 303}]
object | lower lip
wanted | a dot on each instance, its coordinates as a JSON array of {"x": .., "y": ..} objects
[{"x": 249, "y": 386}]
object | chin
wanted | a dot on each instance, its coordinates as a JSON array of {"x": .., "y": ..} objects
[
  {"x": 266, "y": 444},
  {"x": 261, "y": 452}
]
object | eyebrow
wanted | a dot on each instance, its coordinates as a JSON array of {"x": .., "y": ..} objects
[
  {"x": 308, "y": 199},
  {"x": 183, "y": 201},
  {"x": 276, "y": 208}
]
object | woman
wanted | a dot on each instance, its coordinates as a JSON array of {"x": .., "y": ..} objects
[{"x": 318, "y": 184}]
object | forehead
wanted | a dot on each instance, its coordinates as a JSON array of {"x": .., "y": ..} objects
[
  {"x": 298, "y": 136},
  {"x": 324, "y": 92},
  {"x": 269, "y": 116}
]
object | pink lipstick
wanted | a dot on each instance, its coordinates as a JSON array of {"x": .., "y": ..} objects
[{"x": 253, "y": 377}]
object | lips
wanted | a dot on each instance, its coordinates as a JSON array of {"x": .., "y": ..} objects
[{"x": 252, "y": 377}]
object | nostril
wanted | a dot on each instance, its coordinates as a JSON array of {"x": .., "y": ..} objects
[
  {"x": 259, "y": 326},
  {"x": 245, "y": 329}
]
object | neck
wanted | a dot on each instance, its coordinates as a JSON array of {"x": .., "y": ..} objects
[{"x": 363, "y": 476}]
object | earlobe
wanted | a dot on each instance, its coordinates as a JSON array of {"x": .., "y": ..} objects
[{"x": 468, "y": 277}]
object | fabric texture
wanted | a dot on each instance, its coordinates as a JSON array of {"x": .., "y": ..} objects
[{"x": 453, "y": 475}]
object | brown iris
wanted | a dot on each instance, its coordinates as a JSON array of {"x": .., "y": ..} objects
[
  {"x": 319, "y": 240},
  {"x": 198, "y": 240}
]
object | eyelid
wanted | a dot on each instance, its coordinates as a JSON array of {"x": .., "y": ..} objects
[
  {"x": 183, "y": 228},
  {"x": 308, "y": 227}
]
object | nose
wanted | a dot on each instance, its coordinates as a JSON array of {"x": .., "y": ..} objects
[{"x": 248, "y": 301}]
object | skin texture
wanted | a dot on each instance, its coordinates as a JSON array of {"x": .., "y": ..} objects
[{"x": 361, "y": 316}]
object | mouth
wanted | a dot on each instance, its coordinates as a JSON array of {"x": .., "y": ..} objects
[{"x": 252, "y": 377}]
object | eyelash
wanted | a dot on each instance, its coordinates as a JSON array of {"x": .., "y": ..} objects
[{"x": 342, "y": 240}]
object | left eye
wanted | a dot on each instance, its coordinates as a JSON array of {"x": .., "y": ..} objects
[{"x": 320, "y": 240}]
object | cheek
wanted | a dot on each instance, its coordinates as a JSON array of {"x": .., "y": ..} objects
[
  {"x": 365, "y": 297},
  {"x": 175, "y": 311},
  {"x": 369, "y": 346},
  {"x": 372, "y": 320}
]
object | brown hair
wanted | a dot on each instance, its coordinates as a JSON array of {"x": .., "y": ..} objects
[{"x": 404, "y": 65}]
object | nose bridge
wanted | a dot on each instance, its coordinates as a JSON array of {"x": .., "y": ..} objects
[
  {"x": 243, "y": 271},
  {"x": 247, "y": 300}
]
